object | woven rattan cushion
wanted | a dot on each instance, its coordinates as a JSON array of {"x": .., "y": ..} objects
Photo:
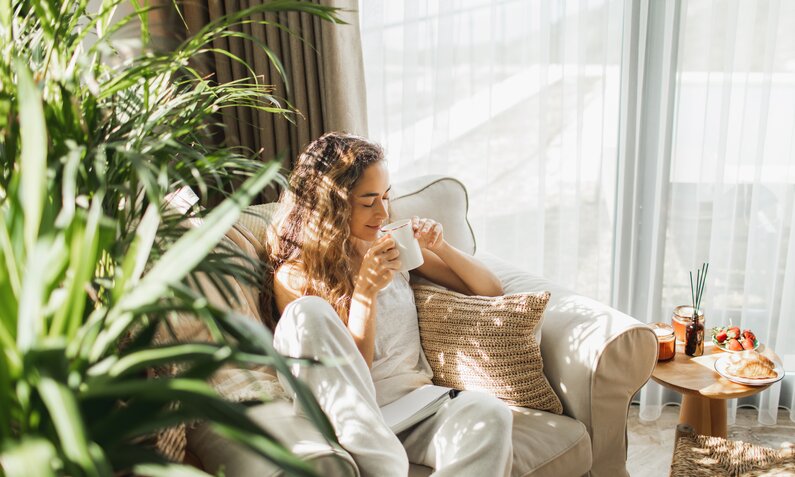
[
  {"x": 486, "y": 344},
  {"x": 703, "y": 456}
]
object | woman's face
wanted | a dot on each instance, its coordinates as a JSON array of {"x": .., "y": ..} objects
[{"x": 369, "y": 200}]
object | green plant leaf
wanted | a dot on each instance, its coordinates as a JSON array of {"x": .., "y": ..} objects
[
  {"x": 168, "y": 470},
  {"x": 5, "y": 22},
  {"x": 31, "y": 457},
  {"x": 152, "y": 357},
  {"x": 30, "y": 322},
  {"x": 11, "y": 267},
  {"x": 254, "y": 336},
  {"x": 84, "y": 251},
  {"x": 68, "y": 189},
  {"x": 84, "y": 171},
  {"x": 180, "y": 259},
  {"x": 156, "y": 394},
  {"x": 8, "y": 305},
  {"x": 276, "y": 453},
  {"x": 33, "y": 168},
  {"x": 6, "y": 402},
  {"x": 227, "y": 418},
  {"x": 63, "y": 410},
  {"x": 155, "y": 388},
  {"x": 138, "y": 253}
]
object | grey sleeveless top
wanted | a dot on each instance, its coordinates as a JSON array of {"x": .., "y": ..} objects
[{"x": 399, "y": 365}]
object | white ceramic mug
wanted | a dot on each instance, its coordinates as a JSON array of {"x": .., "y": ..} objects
[{"x": 406, "y": 243}]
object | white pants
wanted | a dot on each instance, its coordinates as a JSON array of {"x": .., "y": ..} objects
[{"x": 469, "y": 435}]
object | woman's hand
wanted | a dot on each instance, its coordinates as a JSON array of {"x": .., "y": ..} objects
[
  {"x": 378, "y": 265},
  {"x": 429, "y": 233}
]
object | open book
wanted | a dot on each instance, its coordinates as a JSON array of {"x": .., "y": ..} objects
[{"x": 415, "y": 406}]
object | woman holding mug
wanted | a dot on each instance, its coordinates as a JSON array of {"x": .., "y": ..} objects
[{"x": 339, "y": 294}]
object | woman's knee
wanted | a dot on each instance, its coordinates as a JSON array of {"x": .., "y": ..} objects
[
  {"x": 309, "y": 312},
  {"x": 309, "y": 304},
  {"x": 488, "y": 408},
  {"x": 308, "y": 324}
]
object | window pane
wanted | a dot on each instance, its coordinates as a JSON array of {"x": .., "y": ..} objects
[
  {"x": 520, "y": 101},
  {"x": 733, "y": 167}
]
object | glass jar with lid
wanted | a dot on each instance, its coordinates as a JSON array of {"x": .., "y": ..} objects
[
  {"x": 666, "y": 341},
  {"x": 681, "y": 317}
]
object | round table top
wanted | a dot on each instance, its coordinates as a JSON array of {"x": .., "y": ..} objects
[{"x": 696, "y": 375}]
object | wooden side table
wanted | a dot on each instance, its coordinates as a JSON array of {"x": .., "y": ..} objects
[{"x": 704, "y": 391}]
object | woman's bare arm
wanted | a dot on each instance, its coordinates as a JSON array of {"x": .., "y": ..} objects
[
  {"x": 288, "y": 281},
  {"x": 450, "y": 267},
  {"x": 458, "y": 271},
  {"x": 361, "y": 323}
]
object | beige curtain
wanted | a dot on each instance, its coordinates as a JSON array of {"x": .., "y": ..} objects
[{"x": 323, "y": 65}]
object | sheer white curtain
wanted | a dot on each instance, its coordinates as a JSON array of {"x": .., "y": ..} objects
[
  {"x": 613, "y": 177},
  {"x": 519, "y": 100},
  {"x": 731, "y": 185}
]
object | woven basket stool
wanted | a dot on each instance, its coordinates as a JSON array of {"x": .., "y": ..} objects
[{"x": 697, "y": 456}]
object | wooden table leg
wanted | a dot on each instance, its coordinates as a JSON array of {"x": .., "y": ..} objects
[
  {"x": 717, "y": 409},
  {"x": 707, "y": 416}
]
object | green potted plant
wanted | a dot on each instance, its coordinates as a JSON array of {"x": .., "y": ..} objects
[{"x": 91, "y": 259}]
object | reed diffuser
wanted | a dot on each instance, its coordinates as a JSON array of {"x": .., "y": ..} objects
[{"x": 694, "y": 332}]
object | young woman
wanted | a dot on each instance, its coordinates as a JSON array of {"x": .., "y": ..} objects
[{"x": 339, "y": 295}]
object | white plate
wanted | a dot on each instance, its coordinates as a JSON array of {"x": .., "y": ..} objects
[{"x": 723, "y": 362}]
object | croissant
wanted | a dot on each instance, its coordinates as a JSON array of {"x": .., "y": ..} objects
[{"x": 753, "y": 366}]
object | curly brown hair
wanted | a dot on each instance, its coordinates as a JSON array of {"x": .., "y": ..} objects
[{"x": 313, "y": 228}]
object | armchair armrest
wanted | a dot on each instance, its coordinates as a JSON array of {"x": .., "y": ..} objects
[{"x": 595, "y": 357}]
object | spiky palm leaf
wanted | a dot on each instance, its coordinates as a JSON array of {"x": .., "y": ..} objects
[{"x": 89, "y": 149}]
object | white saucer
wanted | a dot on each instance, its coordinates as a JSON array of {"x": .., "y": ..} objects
[{"x": 723, "y": 362}]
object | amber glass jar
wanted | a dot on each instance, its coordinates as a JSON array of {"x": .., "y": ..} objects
[
  {"x": 681, "y": 317},
  {"x": 666, "y": 342}
]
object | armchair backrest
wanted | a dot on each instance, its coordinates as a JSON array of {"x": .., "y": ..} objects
[{"x": 440, "y": 198}]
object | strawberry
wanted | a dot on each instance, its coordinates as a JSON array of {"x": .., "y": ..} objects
[
  {"x": 748, "y": 344},
  {"x": 734, "y": 345},
  {"x": 734, "y": 332},
  {"x": 749, "y": 335},
  {"x": 721, "y": 336}
]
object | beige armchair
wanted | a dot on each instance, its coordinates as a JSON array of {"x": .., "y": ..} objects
[{"x": 595, "y": 358}]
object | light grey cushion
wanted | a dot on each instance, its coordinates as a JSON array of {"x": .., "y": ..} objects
[
  {"x": 544, "y": 444},
  {"x": 442, "y": 199},
  {"x": 294, "y": 432}
]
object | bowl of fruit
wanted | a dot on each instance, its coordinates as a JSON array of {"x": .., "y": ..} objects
[{"x": 729, "y": 338}]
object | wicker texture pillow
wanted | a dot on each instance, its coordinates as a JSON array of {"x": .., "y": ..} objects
[{"x": 486, "y": 344}]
